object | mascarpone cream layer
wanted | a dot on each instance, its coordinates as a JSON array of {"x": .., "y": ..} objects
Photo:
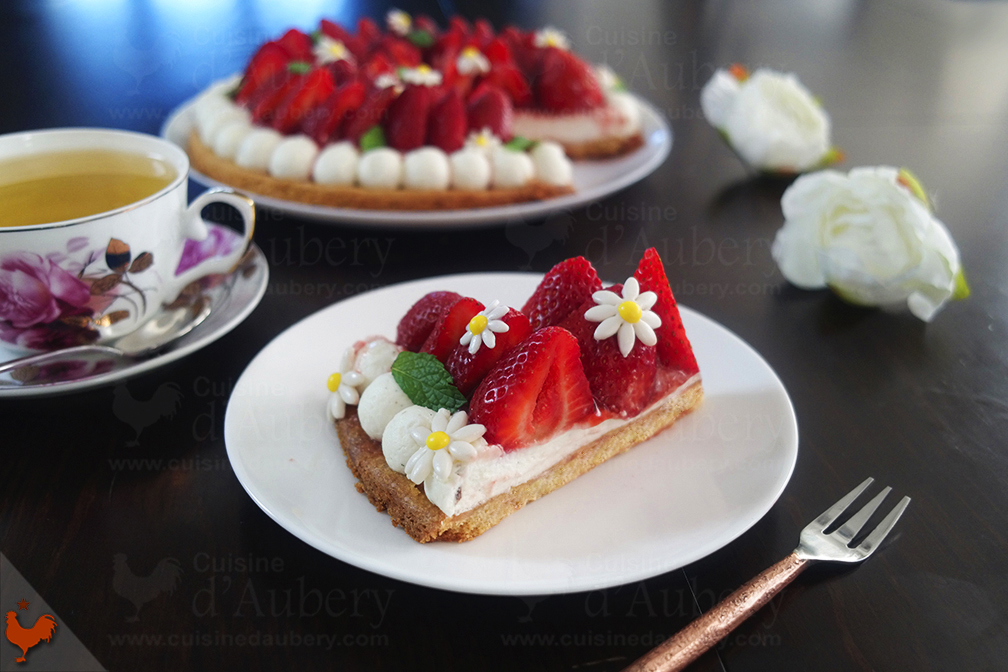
[{"x": 619, "y": 118}]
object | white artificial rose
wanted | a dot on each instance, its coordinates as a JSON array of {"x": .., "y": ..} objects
[
  {"x": 868, "y": 236},
  {"x": 769, "y": 118}
]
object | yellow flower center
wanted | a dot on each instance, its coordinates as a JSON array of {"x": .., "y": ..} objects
[
  {"x": 334, "y": 381},
  {"x": 630, "y": 311},
  {"x": 438, "y": 440},
  {"x": 477, "y": 324},
  {"x": 470, "y": 52},
  {"x": 423, "y": 68}
]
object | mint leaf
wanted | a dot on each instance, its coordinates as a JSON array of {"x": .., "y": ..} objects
[
  {"x": 299, "y": 67},
  {"x": 373, "y": 138},
  {"x": 519, "y": 144},
  {"x": 316, "y": 35},
  {"x": 426, "y": 382},
  {"x": 421, "y": 38}
]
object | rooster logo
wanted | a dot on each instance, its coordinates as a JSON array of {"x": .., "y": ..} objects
[
  {"x": 142, "y": 63},
  {"x": 532, "y": 239},
  {"x": 139, "y": 415},
  {"x": 25, "y": 639},
  {"x": 142, "y": 589}
]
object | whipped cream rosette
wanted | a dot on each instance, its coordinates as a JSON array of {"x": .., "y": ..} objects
[
  {"x": 871, "y": 236},
  {"x": 769, "y": 119}
]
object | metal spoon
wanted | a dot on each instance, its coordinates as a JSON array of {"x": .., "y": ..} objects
[{"x": 151, "y": 337}]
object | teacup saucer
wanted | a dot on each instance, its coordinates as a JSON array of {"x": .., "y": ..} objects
[{"x": 233, "y": 297}]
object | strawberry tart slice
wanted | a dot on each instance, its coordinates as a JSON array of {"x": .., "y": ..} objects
[
  {"x": 411, "y": 117},
  {"x": 476, "y": 410}
]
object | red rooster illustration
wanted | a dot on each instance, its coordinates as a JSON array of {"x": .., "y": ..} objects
[
  {"x": 139, "y": 414},
  {"x": 26, "y": 639},
  {"x": 142, "y": 589}
]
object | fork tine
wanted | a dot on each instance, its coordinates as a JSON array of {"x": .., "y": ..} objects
[
  {"x": 857, "y": 521},
  {"x": 873, "y": 540},
  {"x": 831, "y": 514}
]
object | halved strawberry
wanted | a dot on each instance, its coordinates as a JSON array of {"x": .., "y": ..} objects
[
  {"x": 370, "y": 113},
  {"x": 467, "y": 369},
  {"x": 426, "y": 23},
  {"x": 674, "y": 349},
  {"x": 567, "y": 285},
  {"x": 447, "y": 124},
  {"x": 526, "y": 55},
  {"x": 316, "y": 87},
  {"x": 369, "y": 31},
  {"x": 267, "y": 98},
  {"x": 323, "y": 122},
  {"x": 483, "y": 32},
  {"x": 269, "y": 62},
  {"x": 566, "y": 83},
  {"x": 406, "y": 123},
  {"x": 534, "y": 391},
  {"x": 623, "y": 385},
  {"x": 446, "y": 49},
  {"x": 510, "y": 79},
  {"x": 459, "y": 25},
  {"x": 402, "y": 52},
  {"x": 375, "y": 66},
  {"x": 447, "y": 332},
  {"x": 418, "y": 322},
  {"x": 297, "y": 45},
  {"x": 489, "y": 107},
  {"x": 497, "y": 52},
  {"x": 342, "y": 71}
]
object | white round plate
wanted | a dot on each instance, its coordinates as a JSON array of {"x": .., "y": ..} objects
[
  {"x": 667, "y": 502},
  {"x": 592, "y": 180},
  {"x": 231, "y": 302}
]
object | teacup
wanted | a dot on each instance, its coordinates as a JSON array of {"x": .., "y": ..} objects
[{"x": 100, "y": 276}]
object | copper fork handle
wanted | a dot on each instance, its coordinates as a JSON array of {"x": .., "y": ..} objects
[{"x": 703, "y": 633}]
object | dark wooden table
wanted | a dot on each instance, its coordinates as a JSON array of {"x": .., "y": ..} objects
[{"x": 923, "y": 407}]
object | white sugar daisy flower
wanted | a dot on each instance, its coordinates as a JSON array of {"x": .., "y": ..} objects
[
  {"x": 551, "y": 37},
  {"x": 328, "y": 50},
  {"x": 448, "y": 439},
  {"x": 628, "y": 317},
  {"x": 483, "y": 327},
  {"x": 483, "y": 140},
  {"x": 422, "y": 75},
  {"x": 399, "y": 22},
  {"x": 343, "y": 386},
  {"x": 471, "y": 61}
]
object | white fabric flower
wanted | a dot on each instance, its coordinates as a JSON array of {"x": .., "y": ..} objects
[
  {"x": 483, "y": 140},
  {"x": 484, "y": 326},
  {"x": 551, "y": 37},
  {"x": 770, "y": 119},
  {"x": 628, "y": 317},
  {"x": 399, "y": 22},
  {"x": 328, "y": 50},
  {"x": 422, "y": 75},
  {"x": 870, "y": 238},
  {"x": 471, "y": 61},
  {"x": 343, "y": 386},
  {"x": 448, "y": 439}
]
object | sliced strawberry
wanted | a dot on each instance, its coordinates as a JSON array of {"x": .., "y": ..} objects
[
  {"x": 316, "y": 87},
  {"x": 489, "y": 107},
  {"x": 352, "y": 42},
  {"x": 418, "y": 322},
  {"x": 269, "y": 62},
  {"x": 459, "y": 25},
  {"x": 526, "y": 55},
  {"x": 447, "y": 124},
  {"x": 446, "y": 49},
  {"x": 567, "y": 285},
  {"x": 467, "y": 369},
  {"x": 370, "y": 113},
  {"x": 446, "y": 333},
  {"x": 510, "y": 79},
  {"x": 323, "y": 122},
  {"x": 534, "y": 391},
  {"x": 674, "y": 349},
  {"x": 497, "y": 52},
  {"x": 377, "y": 65},
  {"x": 566, "y": 83},
  {"x": 406, "y": 123},
  {"x": 268, "y": 97},
  {"x": 483, "y": 32},
  {"x": 368, "y": 31},
  {"x": 297, "y": 45},
  {"x": 623, "y": 385},
  {"x": 402, "y": 52},
  {"x": 342, "y": 71}
]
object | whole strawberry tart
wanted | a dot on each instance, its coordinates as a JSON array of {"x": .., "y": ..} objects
[
  {"x": 412, "y": 116},
  {"x": 475, "y": 410}
]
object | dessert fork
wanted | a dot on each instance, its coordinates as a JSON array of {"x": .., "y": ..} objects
[{"x": 814, "y": 545}]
